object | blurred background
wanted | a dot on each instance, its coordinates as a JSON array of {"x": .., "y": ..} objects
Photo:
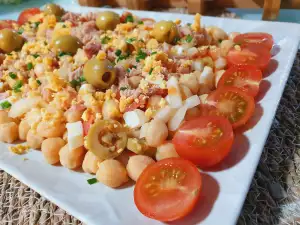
[{"x": 244, "y": 9}]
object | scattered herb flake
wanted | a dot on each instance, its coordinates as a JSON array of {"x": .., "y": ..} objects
[
  {"x": 36, "y": 24},
  {"x": 123, "y": 88},
  {"x": 151, "y": 70},
  {"x": 130, "y": 40},
  {"x": 12, "y": 75},
  {"x": 140, "y": 22},
  {"x": 29, "y": 66},
  {"x": 220, "y": 41},
  {"x": 129, "y": 18},
  {"x": 17, "y": 86},
  {"x": 39, "y": 82},
  {"x": 189, "y": 24},
  {"x": 64, "y": 26},
  {"x": 60, "y": 54},
  {"x": 35, "y": 55},
  {"x": 153, "y": 53},
  {"x": 82, "y": 79},
  {"x": 92, "y": 181},
  {"x": 140, "y": 55},
  {"x": 134, "y": 67},
  {"x": 105, "y": 40},
  {"x": 141, "y": 40},
  {"x": 128, "y": 70},
  {"x": 189, "y": 38},
  {"x": 20, "y": 31},
  {"x": 121, "y": 57},
  {"x": 74, "y": 83},
  {"x": 5, "y": 105},
  {"x": 118, "y": 52},
  {"x": 176, "y": 39}
]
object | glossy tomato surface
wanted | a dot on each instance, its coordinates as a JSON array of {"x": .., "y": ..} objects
[
  {"x": 231, "y": 102},
  {"x": 26, "y": 14},
  {"x": 245, "y": 77},
  {"x": 250, "y": 54},
  {"x": 205, "y": 140},
  {"x": 168, "y": 189},
  {"x": 263, "y": 39}
]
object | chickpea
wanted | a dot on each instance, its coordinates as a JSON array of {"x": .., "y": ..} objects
[
  {"x": 24, "y": 127},
  {"x": 112, "y": 173},
  {"x": 34, "y": 140},
  {"x": 156, "y": 133},
  {"x": 51, "y": 148},
  {"x": 137, "y": 164},
  {"x": 154, "y": 101},
  {"x": 190, "y": 80},
  {"x": 134, "y": 81},
  {"x": 166, "y": 150},
  {"x": 90, "y": 163},
  {"x": 110, "y": 109},
  {"x": 232, "y": 35},
  {"x": 4, "y": 118},
  {"x": 47, "y": 130},
  {"x": 71, "y": 159},
  {"x": 73, "y": 115},
  {"x": 192, "y": 113},
  {"x": 8, "y": 132},
  {"x": 225, "y": 46}
]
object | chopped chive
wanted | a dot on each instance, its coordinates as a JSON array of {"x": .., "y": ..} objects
[
  {"x": 140, "y": 55},
  {"x": 17, "y": 86},
  {"x": 118, "y": 52},
  {"x": 29, "y": 66},
  {"x": 82, "y": 79},
  {"x": 105, "y": 40},
  {"x": 74, "y": 83},
  {"x": 9, "y": 54},
  {"x": 35, "y": 55},
  {"x": 20, "y": 31},
  {"x": 5, "y": 105},
  {"x": 36, "y": 24},
  {"x": 38, "y": 82},
  {"x": 134, "y": 67},
  {"x": 92, "y": 181},
  {"x": 123, "y": 88},
  {"x": 12, "y": 75},
  {"x": 129, "y": 18},
  {"x": 151, "y": 70},
  {"x": 60, "y": 54},
  {"x": 130, "y": 40},
  {"x": 140, "y": 22},
  {"x": 121, "y": 57},
  {"x": 153, "y": 53},
  {"x": 189, "y": 38}
]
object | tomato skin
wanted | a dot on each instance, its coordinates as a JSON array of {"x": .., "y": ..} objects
[
  {"x": 247, "y": 78},
  {"x": 26, "y": 14},
  {"x": 255, "y": 38},
  {"x": 214, "y": 101},
  {"x": 249, "y": 54},
  {"x": 186, "y": 199},
  {"x": 206, "y": 155},
  {"x": 7, "y": 24}
]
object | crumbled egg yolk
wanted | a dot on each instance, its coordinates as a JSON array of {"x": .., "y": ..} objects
[{"x": 19, "y": 149}]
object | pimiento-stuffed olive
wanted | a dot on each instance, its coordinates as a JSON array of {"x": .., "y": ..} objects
[
  {"x": 67, "y": 44},
  {"x": 107, "y": 20},
  {"x": 99, "y": 73},
  {"x": 165, "y": 31},
  {"x": 10, "y": 40},
  {"x": 106, "y": 139},
  {"x": 53, "y": 9}
]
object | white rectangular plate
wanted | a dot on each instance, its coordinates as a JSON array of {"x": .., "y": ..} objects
[{"x": 224, "y": 191}]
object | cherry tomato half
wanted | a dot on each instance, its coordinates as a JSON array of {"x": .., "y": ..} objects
[
  {"x": 7, "y": 24},
  {"x": 205, "y": 140},
  {"x": 245, "y": 77},
  {"x": 250, "y": 54},
  {"x": 26, "y": 14},
  {"x": 231, "y": 102},
  {"x": 255, "y": 38},
  {"x": 168, "y": 189}
]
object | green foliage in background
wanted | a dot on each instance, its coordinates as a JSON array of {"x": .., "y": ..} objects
[{"x": 10, "y": 1}]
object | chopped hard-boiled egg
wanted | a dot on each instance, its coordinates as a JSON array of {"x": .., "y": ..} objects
[
  {"x": 135, "y": 118},
  {"x": 75, "y": 135},
  {"x": 207, "y": 77},
  {"x": 192, "y": 101},
  {"x": 177, "y": 119},
  {"x": 174, "y": 95}
]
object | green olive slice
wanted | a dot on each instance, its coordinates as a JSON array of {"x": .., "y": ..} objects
[
  {"x": 67, "y": 44},
  {"x": 53, "y": 9},
  {"x": 10, "y": 40},
  {"x": 99, "y": 73},
  {"x": 165, "y": 31},
  {"x": 106, "y": 139},
  {"x": 107, "y": 20}
]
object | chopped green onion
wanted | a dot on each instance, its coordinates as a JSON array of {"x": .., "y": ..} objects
[
  {"x": 5, "y": 105},
  {"x": 134, "y": 67},
  {"x": 151, "y": 70},
  {"x": 140, "y": 22},
  {"x": 92, "y": 181},
  {"x": 29, "y": 66},
  {"x": 105, "y": 40},
  {"x": 153, "y": 53},
  {"x": 82, "y": 79},
  {"x": 17, "y": 86},
  {"x": 128, "y": 70},
  {"x": 140, "y": 55},
  {"x": 189, "y": 38},
  {"x": 39, "y": 82},
  {"x": 118, "y": 52},
  {"x": 60, "y": 54},
  {"x": 35, "y": 55},
  {"x": 64, "y": 26},
  {"x": 74, "y": 83},
  {"x": 129, "y": 18},
  {"x": 130, "y": 40},
  {"x": 20, "y": 31},
  {"x": 123, "y": 88},
  {"x": 36, "y": 24},
  {"x": 121, "y": 57},
  {"x": 12, "y": 75}
]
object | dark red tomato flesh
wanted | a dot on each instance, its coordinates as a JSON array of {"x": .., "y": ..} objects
[
  {"x": 262, "y": 39},
  {"x": 26, "y": 14},
  {"x": 231, "y": 102},
  {"x": 250, "y": 54},
  {"x": 205, "y": 140},
  {"x": 168, "y": 189},
  {"x": 7, "y": 24},
  {"x": 245, "y": 77}
]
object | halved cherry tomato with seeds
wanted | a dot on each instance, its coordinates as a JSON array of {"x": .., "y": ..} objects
[
  {"x": 250, "y": 54},
  {"x": 231, "y": 102},
  {"x": 262, "y": 39},
  {"x": 168, "y": 189},
  {"x": 245, "y": 77},
  {"x": 26, "y": 14},
  {"x": 205, "y": 140}
]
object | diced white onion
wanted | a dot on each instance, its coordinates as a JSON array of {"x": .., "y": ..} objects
[
  {"x": 143, "y": 130},
  {"x": 86, "y": 88},
  {"x": 207, "y": 77},
  {"x": 197, "y": 65},
  {"x": 192, "y": 101},
  {"x": 203, "y": 98},
  {"x": 39, "y": 69},
  {"x": 75, "y": 135},
  {"x": 135, "y": 118},
  {"x": 179, "y": 50},
  {"x": 174, "y": 98},
  {"x": 192, "y": 51},
  {"x": 165, "y": 113},
  {"x": 219, "y": 74},
  {"x": 177, "y": 119},
  {"x": 23, "y": 106}
]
